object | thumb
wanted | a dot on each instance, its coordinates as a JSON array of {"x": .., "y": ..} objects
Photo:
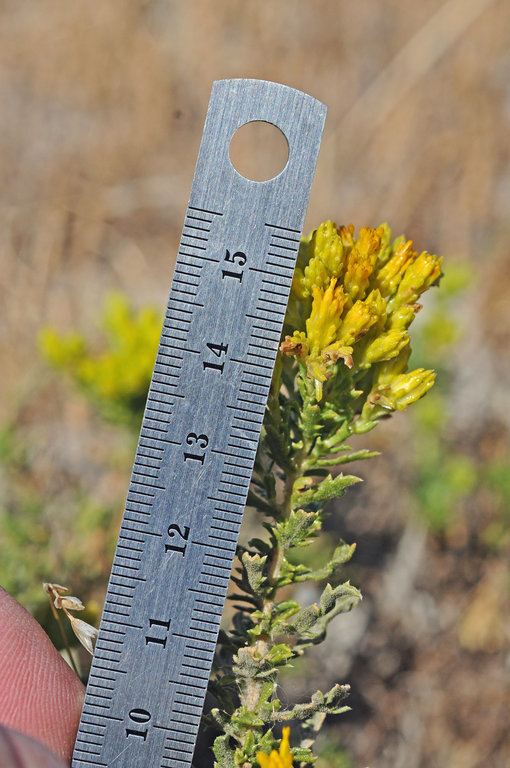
[{"x": 39, "y": 693}]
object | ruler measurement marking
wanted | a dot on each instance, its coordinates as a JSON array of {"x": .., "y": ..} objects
[
  {"x": 285, "y": 229},
  {"x": 224, "y": 501},
  {"x": 126, "y": 557},
  {"x": 260, "y": 317},
  {"x": 260, "y": 414},
  {"x": 178, "y": 311},
  {"x": 231, "y": 482},
  {"x": 293, "y": 248},
  {"x": 192, "y": 245},
  {"x": 204, "y": 210},
  {"x": 187, "y": 293},
  {"x": 126, "y": 624},
  {"x": 223, "y": 518},
  {"x": 153, "y": 463},
  {"x": 134, "y": 520},
  {"x": 272, "y": 303},
  {"x": 235, "y": 474},
  {"x": 168, "y": 365},
  {"x": 194, "y": 237},
  {"x": 189, "y": 685},
  {"x": 271, "y": 311},
  {"x": 183, "y": 301},
  {"x": 243, "y": 419},
  {"x": 131, "y": 549},
  {"x": 102, "y": 696},
  {"x": 275, "y": 293},
  {"x": 199, "y": 218},
  {"x": 141, "y": 493},
  {"x": 257, "y": 365},
  {"x": 146, "y": 474},
  {"x": 213, "y": 546},
  {"x": 195, "y": 226},
  {"x": 220, "y": 538},
  {"x": 184, "y": 272},
  {"x": 295, "y": 240},
  {"x": 196, "y": 255},
  {"x": 152, "y": 448},
  {"x": 199, "y": 592},
  {"x": 103, "y": 687},
  {"x": 173, "y": 334},
  {"x": 280, "y": 266},
  {"x": 269, "y": 271},
  {"x": 145, "y": 533},
  {"x": 208, "y": 613},
  {"x": 264, "y": 376}
]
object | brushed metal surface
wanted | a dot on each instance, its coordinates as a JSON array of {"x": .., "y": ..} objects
[{"x": 199, "y": 437}]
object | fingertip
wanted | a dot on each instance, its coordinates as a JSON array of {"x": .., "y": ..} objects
[{"x": 39, "y": 693}]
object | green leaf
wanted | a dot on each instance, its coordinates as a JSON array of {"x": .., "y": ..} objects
[
  {"x": 223, "y": 753},
  {"x": 254, "y": 568},
  {"x": 279, "y": 653},
  {"x": 247, "y": 718},
  {"x": 341, "y": 555},
  {"x": 298, "y": 529},
  {"x": 330, "y": 488},
  {"x": 335, "y": 461}
]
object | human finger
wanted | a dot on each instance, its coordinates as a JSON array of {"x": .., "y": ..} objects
[{"x": 40, "y": 695}]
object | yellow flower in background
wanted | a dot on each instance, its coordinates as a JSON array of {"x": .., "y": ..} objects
[
  {"x": 118, "y": 374},
  {"x": 280, "y": 759}
]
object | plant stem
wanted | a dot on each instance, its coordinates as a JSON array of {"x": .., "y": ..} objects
[{"x": 62, "y": 633}]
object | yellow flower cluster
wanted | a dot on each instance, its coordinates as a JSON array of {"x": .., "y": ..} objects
[
  {"x": 280, "y": 759},
  {"x": 123, "y": 370},
  {"x": 359, "y": 297}
]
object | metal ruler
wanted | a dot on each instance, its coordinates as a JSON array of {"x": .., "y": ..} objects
[{"x": 199, "y": 437}]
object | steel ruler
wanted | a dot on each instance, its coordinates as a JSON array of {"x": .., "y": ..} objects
[{"x": 199, "y": 437}]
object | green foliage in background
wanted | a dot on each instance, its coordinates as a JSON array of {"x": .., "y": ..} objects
[{"x": 33, "y": 543}]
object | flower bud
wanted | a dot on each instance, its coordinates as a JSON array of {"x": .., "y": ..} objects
[
  {"x": 361, "y": 262},
  {"x": 419, "y": 275},
  {"x": 386, "y": 346}
]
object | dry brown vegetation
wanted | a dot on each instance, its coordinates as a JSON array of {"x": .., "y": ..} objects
[{"x": 102, "y": 112}]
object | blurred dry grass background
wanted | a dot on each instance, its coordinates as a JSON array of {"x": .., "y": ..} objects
[{"x": 102, "y": 113}]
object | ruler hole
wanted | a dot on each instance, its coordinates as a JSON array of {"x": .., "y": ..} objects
[{"x": 259, "y": 150}]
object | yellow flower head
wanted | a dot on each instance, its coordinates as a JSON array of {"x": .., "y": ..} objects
[
  {"x": 280, "y": 759},
  {"x": 408, "y": 388},
  {"x": 325, "y": 318},
  {"x": 389, "y": 277},
  {"x": 419, "y": 275},
  {"x": 361, "y": 317},
  {"x": 361, "y": 262},
  {"x": 326, "y": 254},
  {"x": 386, "y": 346}
]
